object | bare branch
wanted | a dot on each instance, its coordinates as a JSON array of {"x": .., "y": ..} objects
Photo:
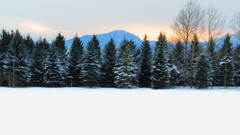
[
  {"x": 236, "y": 24},
  {"x": 189, "y": 21},
  {"x": 215, "y": 23}
]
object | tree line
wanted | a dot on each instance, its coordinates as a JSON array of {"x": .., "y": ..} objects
[{"x": 25, "y": 63}]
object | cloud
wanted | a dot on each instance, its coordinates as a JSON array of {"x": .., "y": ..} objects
[{"x": 36, "y": 27}]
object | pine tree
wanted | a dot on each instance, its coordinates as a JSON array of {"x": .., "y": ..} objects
[
  {"x": 226, "y": 65},
  {"x": 226, "y": 49},
  {"x": 53, "y": 68},
  {"x": 109, "y": 56},
  {"x": 237, "y": 65},
  {"x": 125, "y": 74},
  {"x": 160, "y": 74},
  {"x": 211, "y": 53},
  {"x": 17, "y": 51},
  {"x": 136, "y": 60},
  {"x": 61, "y": 53},
  {"x": 39, "y": 58},
  {"x": 145, "y": 64},
  {"x": 227, "y": 71},
  {"x": 174, "y": 72},
  {"x": 194, "y": 52},
  {"x": 5, "y": 39},
  {"x": 177, "y": 59},
  {"x": 29, "y": 44},
  {"x": 201, "y": 72},
  {"x": 92, "y": 63},
  {"x": 75, "y": 62}
]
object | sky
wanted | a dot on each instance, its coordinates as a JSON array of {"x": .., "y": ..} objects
[{"x": 46, "y": 18}]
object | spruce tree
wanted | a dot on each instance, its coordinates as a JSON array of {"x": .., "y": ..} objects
[
  {"x": 61, "y": 53},
  {"x": 53, "y": 67},
  {"x": 178, "y": 54},
  {"x": 211, "y": 53},
  {"x": 145, "y": 64},
  {"x": 160, "y": 74},
  {"x": 227, "y": 71},
  {"x": 75, "y": 62},
  {"x": 91, "y": 73},
  {"x": 226, "y": 49},
  {"x": 237, "y": 65},
  {"x": 136, "y": 60},
  {"x": 39, "y": 58},
  {"x": 17, "y": 52},
  {"x": 125, "y": 69},
  {"x": 109, "y": 59},
  {"x": 177, "y": 59},
  {"x": 201, "y": 72},
  {"x": 226, "y": 64},
  {"x": 5, "y": 39},
  {"x": 29, "y": 44},
  {"x": 194, "y": 52},
  {"x": 174, "y": 73}
]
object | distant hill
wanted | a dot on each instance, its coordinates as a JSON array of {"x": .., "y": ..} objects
[
  {"x": 234, "y": 40},
  {"x": 119, "y": 35}
]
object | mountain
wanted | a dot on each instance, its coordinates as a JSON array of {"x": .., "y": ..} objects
[
  {"x": 117, "y": 35},
  {"x": 235, "y": 40}
]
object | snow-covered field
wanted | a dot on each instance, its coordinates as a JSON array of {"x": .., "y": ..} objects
[{"x": 79, "y": 111}]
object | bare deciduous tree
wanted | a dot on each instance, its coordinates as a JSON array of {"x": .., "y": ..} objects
[
  {"x": 189, "y": 22},
  {"x": 215, "y": 23},
  {"x": 236, "y": 24}
]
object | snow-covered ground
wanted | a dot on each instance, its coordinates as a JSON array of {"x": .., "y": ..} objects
[{"x": 79, "y": 111}]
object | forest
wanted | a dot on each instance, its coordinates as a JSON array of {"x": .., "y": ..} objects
[{"x": 28, "y": 63}]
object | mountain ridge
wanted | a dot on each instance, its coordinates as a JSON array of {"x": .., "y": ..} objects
[{"x": 119, "y": 35}]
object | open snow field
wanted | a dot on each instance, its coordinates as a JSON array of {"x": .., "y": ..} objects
[{"x": 79, "y": 111}]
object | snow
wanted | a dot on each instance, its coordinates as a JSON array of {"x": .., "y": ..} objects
[{"x": 83, "y": 111}]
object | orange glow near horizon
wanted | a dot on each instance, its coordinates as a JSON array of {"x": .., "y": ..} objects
[
  {"x": 151, "y": 31},
  {"x": 36, "y": 30}
]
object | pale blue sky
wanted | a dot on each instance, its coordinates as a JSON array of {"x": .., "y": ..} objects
[{"x": 47, "y": 17}]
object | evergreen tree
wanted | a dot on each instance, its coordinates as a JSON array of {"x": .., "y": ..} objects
[
  {"x": 29, "y": 44},
  {"x": 59, "y": 44},
  {"x": 227, "y": 71},
  {"x": 194, "y": 52},
  {"x": 237, "y": 65},
  {"x": 177, "y": 59},
  {"x": 211, "y": 53},
  {"x": 5, "y": 39},
  {"x": 160, "y": 74},
  {"x": 61, "y": 53},
  {"x": 39, "y": 58},
  {"x": 226, "y": 49},
  {"x": 125, "y": 74},
  {"x": 75, "y": 62},
  {"x": 174, "y": 72},
  {"x": 201, "y": 72},
  {"x": 145, "y": 64},
  {"x": 17, "y": 51},
  {"x": 226, "y": 67},
  {"x": 109, "y": 56},
  {"x": 53, "y": 68},
  {"x": 136, "y": 60},
  {"x": 92, "y": 63}
]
